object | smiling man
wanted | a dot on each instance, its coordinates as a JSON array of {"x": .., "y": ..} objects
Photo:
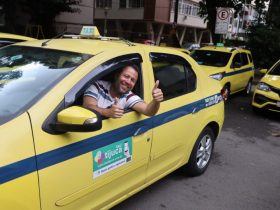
[{"x": 113, "y": 99}]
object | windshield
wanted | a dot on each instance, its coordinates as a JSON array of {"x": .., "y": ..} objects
[
  {"x": 26, "y": 73},
  {"x": 275, "y": 70},
  {"x": 211, "y": 58}
]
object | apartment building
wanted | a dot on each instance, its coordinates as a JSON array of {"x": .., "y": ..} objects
[
  {"x": 139, "y": 20},
  {"x": 239, "y": 25}
]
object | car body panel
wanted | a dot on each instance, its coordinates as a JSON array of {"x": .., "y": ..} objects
[
  {"x": 268, "y": 100},
  {"x": 18, "y": 173},
  {"x": 68, "y": 168},
  {"x": 16, "y": 37},
  {"x": 7, "y": 39},
  {"x": 272, "y": 80}
]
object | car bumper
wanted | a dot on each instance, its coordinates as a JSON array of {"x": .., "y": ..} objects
[{"x": 266, "y": 100}]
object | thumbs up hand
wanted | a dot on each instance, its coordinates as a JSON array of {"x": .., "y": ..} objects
[
  {"x": 116, "y": 111},
  {"x": 157, "y": 93}
]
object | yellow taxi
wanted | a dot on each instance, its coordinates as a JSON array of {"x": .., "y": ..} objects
[
  {"x": 267, "y": 93},
  {"x": 57, "y": 155},
  {"x": 6, "y": 39},
  {"x": 233, "y": 67}
]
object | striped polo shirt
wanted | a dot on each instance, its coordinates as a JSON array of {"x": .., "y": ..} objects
[{"x": 100, "y": 91}]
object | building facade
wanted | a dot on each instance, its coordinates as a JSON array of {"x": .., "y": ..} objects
[
  {"x": 140, "y": 20},
  {"x": 238, "y": 26}
]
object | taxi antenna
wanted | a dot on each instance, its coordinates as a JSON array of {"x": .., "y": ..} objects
[{"x": 59, "y": 35}]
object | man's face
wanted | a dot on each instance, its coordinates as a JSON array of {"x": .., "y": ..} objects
[{"x": 126, "y": 80}]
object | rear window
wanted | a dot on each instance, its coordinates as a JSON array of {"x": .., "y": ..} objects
[
  {"x": 26, "y": 73},
  {"x": 211, "y": 58}
]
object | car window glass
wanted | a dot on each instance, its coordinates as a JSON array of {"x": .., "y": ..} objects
[
  {"x": 211, "y": 58},
  {"x": 175, "y": 78},
  {"x": 250, "y": 58},
  {"x": 275, "y": 70},
  {"x": 26, "y": 73},
  {"x": 191, "y": 79},
  {"x": 237, "y": 60},
  {"x": 244, "y": 59}
]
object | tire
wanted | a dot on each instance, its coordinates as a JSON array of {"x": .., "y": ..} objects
[
  {"x": 248, "y": 88},
  {"x": 226, "y": 94},
  {"x": 201, "y": 153}
]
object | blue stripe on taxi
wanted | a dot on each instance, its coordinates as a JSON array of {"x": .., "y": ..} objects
[{"x": 26, "y": 166}]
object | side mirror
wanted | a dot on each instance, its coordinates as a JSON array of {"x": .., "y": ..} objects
[
  {"x": 77, "y": 119},
  {"x": 263, "y": 71}
]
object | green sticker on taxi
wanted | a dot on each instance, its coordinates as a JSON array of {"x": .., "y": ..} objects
[{"x": 110, "y": 157}]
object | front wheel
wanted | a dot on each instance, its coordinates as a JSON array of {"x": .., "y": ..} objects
[
  {"x": 201, "y": 153},
  {"x": 248, "y": 88}
]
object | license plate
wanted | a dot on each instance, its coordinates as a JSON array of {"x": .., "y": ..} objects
[{"x": 278, "y": 104}]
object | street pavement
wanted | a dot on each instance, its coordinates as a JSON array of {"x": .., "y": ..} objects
[{"x": 244, "y": 173}]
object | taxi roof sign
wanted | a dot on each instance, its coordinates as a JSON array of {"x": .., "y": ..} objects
[
  {"x": 220, "y": 45},
  {"x": 90, "y": 31}
]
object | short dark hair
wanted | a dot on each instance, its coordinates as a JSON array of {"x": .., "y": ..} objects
[{"x": 132, "y": 65}]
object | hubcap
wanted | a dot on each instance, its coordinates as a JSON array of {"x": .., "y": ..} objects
[{"x": 204, "y": 151}]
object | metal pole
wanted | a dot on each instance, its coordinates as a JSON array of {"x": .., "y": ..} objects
[{"x": 105, "y": 20}]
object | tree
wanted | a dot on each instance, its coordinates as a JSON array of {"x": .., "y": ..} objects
[
  {"x": 208, "y": 10},
  {"x": 264, "y": 35},
  {"x": 10, "y": 15},
  {"x": 41, "y": 12}
]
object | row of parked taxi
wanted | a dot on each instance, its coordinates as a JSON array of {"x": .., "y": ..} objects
[
  {"x": 234, "y": 68},
  {"x": 56, "y": 154}
]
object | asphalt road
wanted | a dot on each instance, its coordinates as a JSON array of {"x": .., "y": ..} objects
[{"x": 244, "y": 173}]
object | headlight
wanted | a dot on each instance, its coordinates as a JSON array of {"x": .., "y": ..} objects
[
  {"x": 218, "y": 76},
  {"x": 263, "y": 86}
]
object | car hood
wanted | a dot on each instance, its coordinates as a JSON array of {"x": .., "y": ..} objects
[
  {"x": 212, "y": 69},
  {"x": 272, "y": 80}
]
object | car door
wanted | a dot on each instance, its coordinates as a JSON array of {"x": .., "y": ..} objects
[
  {"x": 19, "y": 188},
  {"x": 247, "y": 70},
  {"x": 236, "y": 79},
  {"x": 88, "y": 170},
  {"x": 177, "y": 123}
]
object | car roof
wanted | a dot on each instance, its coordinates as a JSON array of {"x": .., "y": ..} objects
[
  {"x": 89, "y": 46},
  {"x": 15, "y": 36},
  {"x": 223, "y": 49}
]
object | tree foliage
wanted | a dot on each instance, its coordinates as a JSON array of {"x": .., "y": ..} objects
[
  {"x": 264, "y": 35},
  {"x": 41, "y": 12}
]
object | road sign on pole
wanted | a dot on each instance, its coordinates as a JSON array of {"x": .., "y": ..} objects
[{"x": 222, "y": 20}]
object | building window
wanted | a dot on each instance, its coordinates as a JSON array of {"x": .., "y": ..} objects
[
  {"x": 135, "y": 3},
  {"x": 195, "y": 10},
  {"x": 186, "y": 8},
  {"x": 122, "y": 3},
  {"x": 131, "y": 3},
  {"x": 103, "y": 3}
]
